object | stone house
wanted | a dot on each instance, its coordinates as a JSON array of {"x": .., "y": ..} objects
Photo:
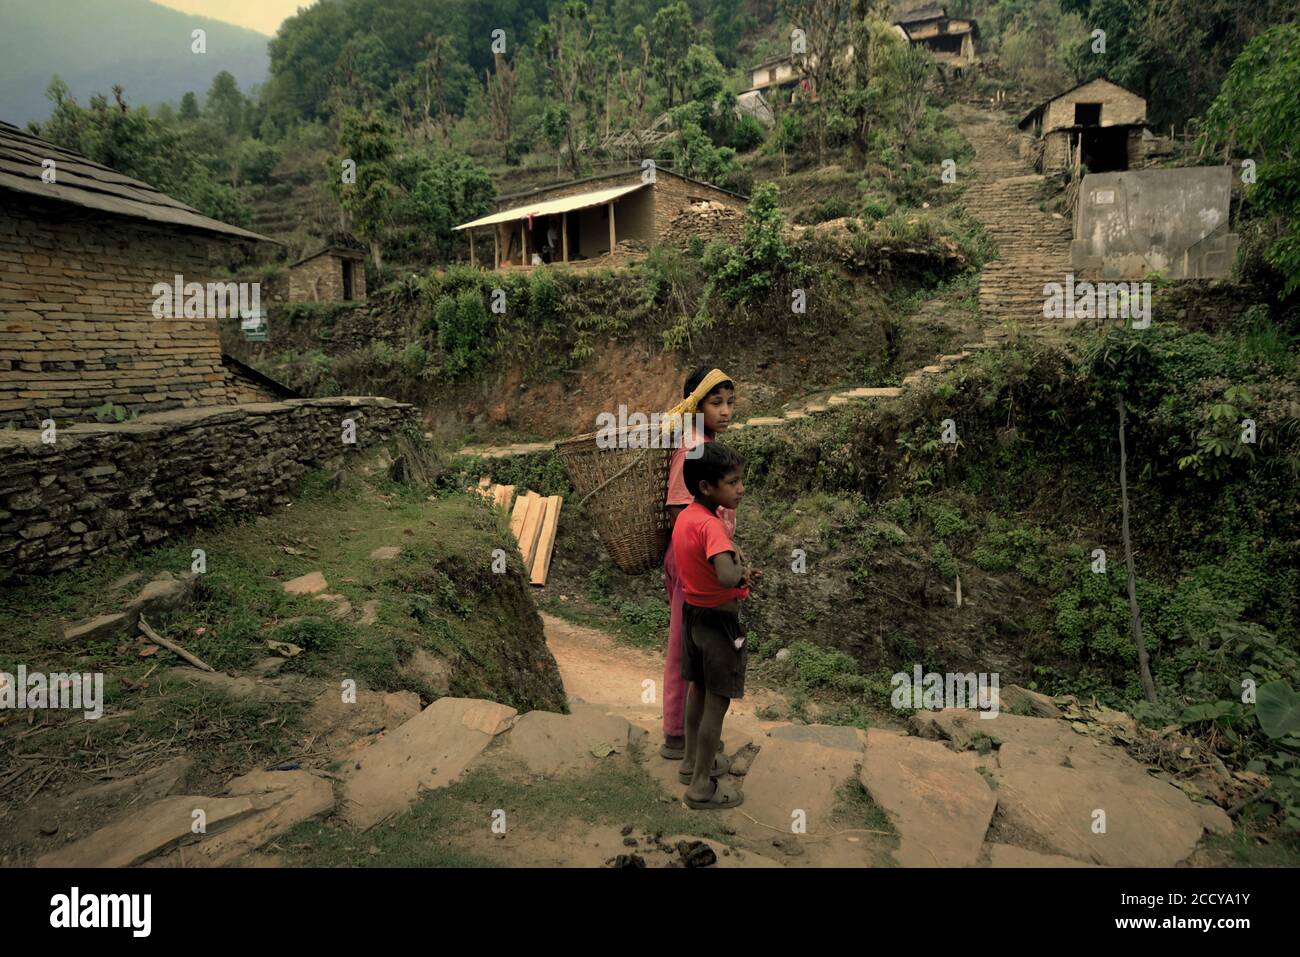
[
  {"x": 601, "y": 220},
  {"x": 1098, "y": 125},
  {"x": 89, "y": 260},
  {"x": 332, "y": 274},
  {"x": 779, "y": 79},
  {"x": 951, "y": 40}
]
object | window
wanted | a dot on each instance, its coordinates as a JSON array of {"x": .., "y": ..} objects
[
  {"x": 1087, "y": 114},
  {"x": 771, "y": 76}
]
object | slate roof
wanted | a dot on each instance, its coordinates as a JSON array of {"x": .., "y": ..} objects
[{"x": 83, "y": 182}]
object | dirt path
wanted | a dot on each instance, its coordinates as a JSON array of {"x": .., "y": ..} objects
[{"x": 794, "y": 790}]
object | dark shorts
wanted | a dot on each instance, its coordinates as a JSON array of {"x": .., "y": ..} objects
[{"x": 709, "y": 655}]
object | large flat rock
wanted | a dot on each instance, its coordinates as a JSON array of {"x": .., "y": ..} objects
[
  {"x": 428, "y": 752},
  {"x": 939, "y": 805},
  {"x": 547, "y": 743},
  {"x": 151, "y": 830},
  {"x": 1008, "y": 855},
  {"x": 789, "y": 776},
  {"x": 1148, "y": 823},
  {"x": 283, "y": 799},
  {"x": 1020, "y": 740},
  {"x": 827, "y": 735}
]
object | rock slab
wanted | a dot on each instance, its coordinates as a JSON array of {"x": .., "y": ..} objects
[
  {"x": 428, "y": 752},
  {"x": 939, "y": 805}
]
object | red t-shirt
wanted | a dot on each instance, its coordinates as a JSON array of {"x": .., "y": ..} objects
[
  {"x": 698, "y": 535},
  {"x": 679, "y": 494}
]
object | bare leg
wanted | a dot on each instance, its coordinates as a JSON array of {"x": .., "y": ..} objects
[
  {"x": 704, "y": 734},
  {"x": 694, "y": 711}
]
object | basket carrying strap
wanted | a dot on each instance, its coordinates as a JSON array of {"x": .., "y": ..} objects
[{"x": 583, "y": 500}]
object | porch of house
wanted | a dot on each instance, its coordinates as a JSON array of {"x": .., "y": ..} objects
[{"x": 581, "y": 231}]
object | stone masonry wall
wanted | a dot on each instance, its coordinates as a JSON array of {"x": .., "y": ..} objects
[
  {"x": 321, "y": 280},
  {"x": 76, "y": 322},
  {"x": 107, "y": 488}
]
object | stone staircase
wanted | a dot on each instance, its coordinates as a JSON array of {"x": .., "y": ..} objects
[{"x": 1033, "y": 245}]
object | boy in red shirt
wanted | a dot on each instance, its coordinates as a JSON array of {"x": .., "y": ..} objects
[{"x": 714, "y": 655}]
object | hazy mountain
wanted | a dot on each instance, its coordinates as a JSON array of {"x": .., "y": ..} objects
[{"x": 93, "y": 44}]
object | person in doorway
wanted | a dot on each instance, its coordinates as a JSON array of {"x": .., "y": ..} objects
[{"x": 711, "y": 394}]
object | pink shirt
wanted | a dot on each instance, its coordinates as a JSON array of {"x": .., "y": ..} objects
[{"x": 678, "y": 494}]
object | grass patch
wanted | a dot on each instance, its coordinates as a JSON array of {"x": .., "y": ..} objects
[{"x": 435, "y": 832}]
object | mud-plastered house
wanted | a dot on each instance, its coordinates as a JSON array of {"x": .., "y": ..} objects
[
  {"x": 603, "y": 220},
  {"x": 950, "y": 40}
]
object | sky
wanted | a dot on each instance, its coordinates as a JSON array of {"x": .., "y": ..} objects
[{"x": 264, "y": 16}]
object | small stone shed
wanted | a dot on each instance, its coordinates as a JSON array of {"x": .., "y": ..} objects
[
  {"x": 602, "y": 220},
  {"x": 82, "y": 248},
  {"x": 331, "y": 274},
  {"x": 1098, "y": 125}
]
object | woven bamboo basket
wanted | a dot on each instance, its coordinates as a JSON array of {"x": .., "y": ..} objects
[{"x": 625, "y": 490}]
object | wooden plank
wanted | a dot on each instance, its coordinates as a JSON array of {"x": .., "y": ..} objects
[
  {"x": 546, "y": 543},
  {"x": 518, "y": 515},
  {"x": 502, "y": 495},
  {"x": 532, "y": 528}
]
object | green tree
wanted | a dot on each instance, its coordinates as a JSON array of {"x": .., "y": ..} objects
[
  {"x": 670, "y": 35},
  {"x": 565, "y": 46},
  {"x": 368, "y": 142},
  {"x": 225, "y": 105},
  {"x": 189, "y": 107},
  {"x": 450, "y": 189},
  {"x": 1257, "y": 113}
]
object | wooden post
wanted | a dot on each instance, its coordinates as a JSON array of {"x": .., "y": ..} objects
[
  {"x": 472, "y": 260},
  {"x": 496, "y": 247},
  {"x": 564, "y": 229},
  {"x": 613, "y": 240},
  {"x": 523, "y": 238}
]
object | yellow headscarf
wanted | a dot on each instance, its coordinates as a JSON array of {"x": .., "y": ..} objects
[{"x": 692, "y": 402}]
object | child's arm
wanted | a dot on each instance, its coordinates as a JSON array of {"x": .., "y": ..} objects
[{"x": 730, "y": 574}]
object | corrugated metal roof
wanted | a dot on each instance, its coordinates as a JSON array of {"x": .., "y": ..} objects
[
  {"x": 82, "y": 182},
  {"x": 552, "y": 207}
]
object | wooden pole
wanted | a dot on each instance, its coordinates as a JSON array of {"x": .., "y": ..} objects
[
  {"x": 523, "y": 238},
  {"x": 613, "y": 240},
  {"x": 564, "y": 228},
  {"x": 496, "y": 247},
  {"x": 472, "y": 260}
]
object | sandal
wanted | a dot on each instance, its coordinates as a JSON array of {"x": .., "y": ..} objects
[
  {"x": 676, "y": 754},
  {"x": 725, "y": 795},
  {"x": 721, "y": 765}
]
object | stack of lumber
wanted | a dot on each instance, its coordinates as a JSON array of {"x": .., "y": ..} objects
[{"x": 533, "y": 521}]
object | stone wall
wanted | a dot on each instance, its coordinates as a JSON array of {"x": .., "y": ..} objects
[
  {"x": 76, "y": 314},
  {"x": 108, "y": 488},
  {"x": 1206, "y": 305},
  {"x": 321, "y": 280},
  {"x": 674, "y": 196}
]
